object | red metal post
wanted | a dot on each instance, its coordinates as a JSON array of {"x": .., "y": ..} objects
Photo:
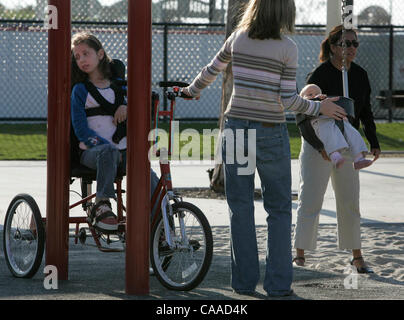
[
  {"x": 57, "y": 195},
  {"x": 138, "y": 165}
]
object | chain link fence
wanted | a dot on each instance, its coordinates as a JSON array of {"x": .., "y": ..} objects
[{"x": 180, "y": 49}]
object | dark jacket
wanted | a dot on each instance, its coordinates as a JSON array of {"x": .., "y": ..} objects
[{"x": 329, "y": 79}]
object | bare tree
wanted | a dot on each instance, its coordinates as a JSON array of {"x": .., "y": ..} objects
[
  {"x": 82, "y": 10},
  {"x": 311, "y": 11},
  {"x": 216, "y": 175},
  {"x": 374, "y": 15}
]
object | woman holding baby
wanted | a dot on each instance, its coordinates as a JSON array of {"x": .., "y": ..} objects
[{"x": 315, "y": 167}]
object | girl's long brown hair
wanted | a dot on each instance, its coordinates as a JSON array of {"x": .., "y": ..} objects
[
  {"x": 267, "y": 19},
  {"x": 334, "y": 37},
  {"x": 94, "y": 43}
]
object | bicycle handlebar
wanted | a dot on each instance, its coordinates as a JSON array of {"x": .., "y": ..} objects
[
  {"x": 167, "y": 84},
  {"x": 177, "y": 92}
]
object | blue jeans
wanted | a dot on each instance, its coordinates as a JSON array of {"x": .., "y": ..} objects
[
  {"x": 272, "y": 156},
  {"x": 105, "y": 159}
]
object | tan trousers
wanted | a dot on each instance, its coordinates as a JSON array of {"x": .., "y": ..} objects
[{"x": 314, "y": 175}]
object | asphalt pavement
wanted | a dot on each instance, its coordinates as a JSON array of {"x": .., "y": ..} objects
[{"x": 97, "y": 276}]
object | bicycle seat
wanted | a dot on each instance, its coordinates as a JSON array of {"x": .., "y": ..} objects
[{"x": 81, "y": 171}]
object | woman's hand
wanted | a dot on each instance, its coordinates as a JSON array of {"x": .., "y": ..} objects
[
  {"x": 185, "y": 91},
  {"x": 186, "y": 95},
  {"x": 325, "y": 155},
  {"x": 121, "y": 114},
  {"x": 376, "y": 153},
  {"x": 331, "y": 110}
]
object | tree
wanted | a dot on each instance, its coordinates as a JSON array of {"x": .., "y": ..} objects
[
  {"x": 374, "y": 15},
  {"x": 19, "y": 13},
  {"x": 116, "y": 12},
  {"x": 216, "y": 175},
  {"x": 82, "y": 10},
  {"x": 311, "y": 11},
  {"x": 184, "y": 10}
]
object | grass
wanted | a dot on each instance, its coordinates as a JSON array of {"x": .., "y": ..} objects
[
  {"x": 23, "y": 141},
  {"x": 28, "y": 141}
]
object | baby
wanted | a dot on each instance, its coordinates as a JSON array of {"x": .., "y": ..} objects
[{"x": 331, "y": 136}]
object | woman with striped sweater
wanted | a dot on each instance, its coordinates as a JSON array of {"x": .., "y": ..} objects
[{"x": 264, "y": 64}]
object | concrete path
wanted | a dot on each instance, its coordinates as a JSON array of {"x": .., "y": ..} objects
[{"x": 382, "y": 190}]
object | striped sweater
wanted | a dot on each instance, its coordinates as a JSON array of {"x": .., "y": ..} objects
[{"x": 264, "y": 73}]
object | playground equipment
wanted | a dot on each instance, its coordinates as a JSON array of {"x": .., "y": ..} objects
[{"x": 181, "y": 244}]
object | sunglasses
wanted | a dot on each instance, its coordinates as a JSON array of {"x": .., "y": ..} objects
[{"x": 349, "y": 43}]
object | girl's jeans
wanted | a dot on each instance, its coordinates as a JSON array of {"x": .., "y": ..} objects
[
  {"x": 105, "y": 159},
  {"x": 271, "y": 153}
]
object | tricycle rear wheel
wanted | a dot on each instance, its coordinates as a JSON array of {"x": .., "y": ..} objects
[{"x": 23, "y": 237}]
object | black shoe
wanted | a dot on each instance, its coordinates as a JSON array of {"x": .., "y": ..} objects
[
  {"x": 194, "y": 244},
  {"x": 165, "y": 250},
  {"x": 250, "y": 293},
  {"x": 281, "y": 294},
  {"x": 245, "y": 292}
]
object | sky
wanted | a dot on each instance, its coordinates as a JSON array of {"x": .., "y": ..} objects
[
  {"x": 397, "y": 5},
  {"x": 23, "y": 3}
]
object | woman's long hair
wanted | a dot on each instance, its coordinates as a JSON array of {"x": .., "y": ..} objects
[
  {"x": 334, "y": 37},
  {"x": 267, "y": 19},
  {"x": 94, "y": 43}
]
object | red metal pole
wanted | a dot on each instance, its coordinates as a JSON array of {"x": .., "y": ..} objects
[
  {"x": 138, "y": 165},
  {"x": 57, "y": 195}
]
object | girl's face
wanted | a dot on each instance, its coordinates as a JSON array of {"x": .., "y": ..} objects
[
  {"x": 87, "y": 58},
  {"x": 350, "y": 51}
]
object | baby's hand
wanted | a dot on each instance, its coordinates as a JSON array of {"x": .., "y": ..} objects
[
  {"x": 121, "y": 114},
  {"x": 321, "y": 96}
]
